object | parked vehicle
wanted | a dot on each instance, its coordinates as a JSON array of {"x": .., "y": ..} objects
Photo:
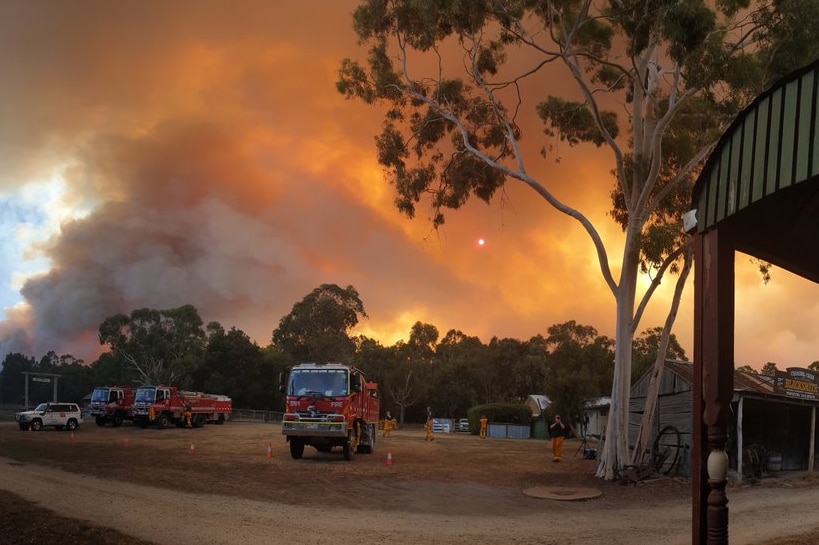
[
  {"x": 112, "y": 404},
  {"x": 462, "y": 425},
  {"x": 59, "y": 415},
  {"x": 164, "y": 406},
  {"x": 329, "y": 405}
]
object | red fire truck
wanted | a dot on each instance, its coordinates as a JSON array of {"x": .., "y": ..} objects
[
  {"x": 329, "y": 405},
  {"x": 112, "y": 404},
  {"x": 164, "y": 406}
]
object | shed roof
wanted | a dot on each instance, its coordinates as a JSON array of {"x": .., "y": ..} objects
[
  {"x": 744, "y": 381},
  {"x": 538, "y": 403}
]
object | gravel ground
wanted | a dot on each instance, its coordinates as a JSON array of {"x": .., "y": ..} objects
[{"x": 217, "y": 485}]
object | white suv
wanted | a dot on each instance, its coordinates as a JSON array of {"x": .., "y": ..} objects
[{"x": 59, "y": 415}]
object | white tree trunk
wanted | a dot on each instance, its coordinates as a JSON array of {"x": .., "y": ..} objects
[{"x": 615, "y": 449}]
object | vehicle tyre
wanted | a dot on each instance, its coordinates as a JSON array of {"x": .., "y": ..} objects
[
  {"x": 71, "y": 425},
  {"x": 367, "y": 444},
  {"x": 100, "y": 421},
  {"x": 221, "y": 419},
  {"x": 116, "y": 421},
  {"x": 349, "y": 447},
  {"x": 36, "y": 424},
  {"x": 296, "y": 448},
  {"x": 199, "y": 421},
  {"x": 163, "y": 421}
]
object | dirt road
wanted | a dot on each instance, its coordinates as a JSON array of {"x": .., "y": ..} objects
[{"x": 458, "y": 490}]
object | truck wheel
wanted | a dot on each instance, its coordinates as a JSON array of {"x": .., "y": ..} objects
[
  {"x": 100, "y": 421},
  {"x": 199, "y": 421},
  {"x": 71, "y": 425},
  {"x": 116, "y": 421},
  {"x": 36, "y": 424},
  {"x": 163, "y": 421},
  {"x": 349, "y": 448},
  {"x": 221, "y": 419},
  {"x": 367, "y": 443},
  {"x": 296, "y": 448}
]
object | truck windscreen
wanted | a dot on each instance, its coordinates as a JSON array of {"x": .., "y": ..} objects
[
  {"x": 318, "y": 382},
  {"x": 144, "y": 395},
  {"x": 100, "y": 395}
]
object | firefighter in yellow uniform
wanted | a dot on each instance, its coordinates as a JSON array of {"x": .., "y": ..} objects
[
  {"x": 186, "y": 416},
  {"x": 557, "y": 430},
  {"x": 484, "y": 421},
  {"x": 389, "y": 424},
  {"x": 428, "y": 426}
]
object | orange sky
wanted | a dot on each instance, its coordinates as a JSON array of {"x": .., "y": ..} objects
[{"x": 206, "y": 158}]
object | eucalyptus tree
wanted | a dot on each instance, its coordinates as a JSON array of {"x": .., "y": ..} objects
[
  {"x": 459, "y": 357},
  {"x": 317, "y": 328},
  {"x": 457, "y": 78},
  {"x": 579, "y": 366},
  {"x": 156, "y": 346},
  {"x": 233, "y": 364},
  {"x": 511, "y": 370},
  {"x": 12, "y": 379}
]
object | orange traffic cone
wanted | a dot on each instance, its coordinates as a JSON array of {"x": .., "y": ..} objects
[
  {"x": 127, "y": 443},
  {"x": 389, "y": 458},
  {"x": 192, "y": 450},
  {"x": 269, "y": 451},
  {"x": 72, "y": 438}
]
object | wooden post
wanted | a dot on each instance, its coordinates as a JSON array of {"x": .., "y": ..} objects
[
  {"x": 741, "y": 404},
  {"x": 713, "y": 385},
  {"x": 812, "y": 438}
]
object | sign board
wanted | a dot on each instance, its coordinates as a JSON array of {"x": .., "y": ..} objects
[
  {"x": 797, "y": 383},
  {"x": 40, "y": 379}
]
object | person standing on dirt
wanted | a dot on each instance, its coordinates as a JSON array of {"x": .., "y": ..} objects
[
  {"x": 558, "y": 431},
  {"x": 389, "y": 423},
  {"x": 484, "y": 421},
  {"x": 428, "y": 426},
  {"x": 186, "y": 414}
]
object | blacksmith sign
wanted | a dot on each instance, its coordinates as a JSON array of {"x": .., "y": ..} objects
[{"x": 797, "y": 383}]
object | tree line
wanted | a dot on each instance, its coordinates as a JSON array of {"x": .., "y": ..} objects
[{"x": 571, "y": 364}]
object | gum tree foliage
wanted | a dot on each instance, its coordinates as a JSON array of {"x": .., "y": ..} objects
[
  {"x": 156, "y": 346},
  {"x": 579, "y": 367},
  {"x": 645, "y": 349},
  {"x": 769, "y": 369},
  {"x": 12, "y": 380},
  {"x": 459, "y": 356},
  {"x": 412, "y": 378},
  {"x": 74, "y": 380},
  {"x": 655, "y": 83},
  {"x": 317, "y": 328},
  {"x": 234, "y": 365}
]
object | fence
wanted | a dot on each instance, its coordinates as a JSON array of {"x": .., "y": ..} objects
[
  {"x": 247, "y": 415},
  {"x": 508, "y": 431}
]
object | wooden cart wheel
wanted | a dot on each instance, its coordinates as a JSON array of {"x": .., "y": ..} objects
[{"x": 666, "y": 450}]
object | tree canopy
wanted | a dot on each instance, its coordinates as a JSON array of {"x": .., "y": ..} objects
[
  {"x": 317, "y": 328},
  {"x": 156, "y": 346}
]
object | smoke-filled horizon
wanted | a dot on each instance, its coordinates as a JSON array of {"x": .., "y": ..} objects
[{"x": 156, "y": 155}]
